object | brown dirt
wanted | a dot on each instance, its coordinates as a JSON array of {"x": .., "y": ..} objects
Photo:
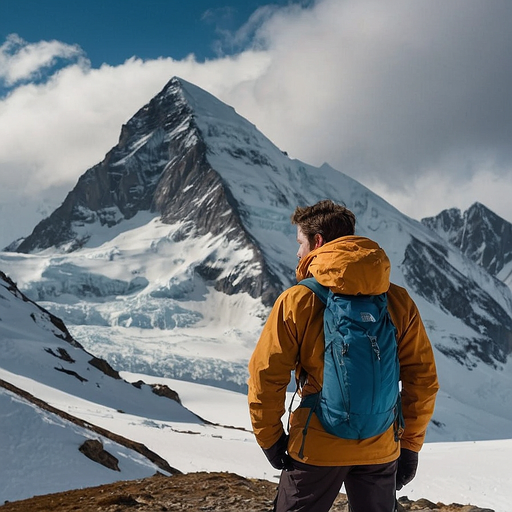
[{"x": 199, "y": 492}]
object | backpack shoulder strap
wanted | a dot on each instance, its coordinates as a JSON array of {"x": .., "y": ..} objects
[{"x": 321, "y": 291}]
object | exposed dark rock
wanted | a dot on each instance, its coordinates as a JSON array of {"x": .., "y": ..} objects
[
  {"x": 71, "y": 372},
  {"x": 104, "y": 367},
  {"x": 166, "y": 391},
  {"x": 62, "y": 354},
  {"x": 159, "y": 165},
  {"x": 132, "y": 445},
  {"x": 138, "y": 384},
  {"x": 93, "y": 449}
]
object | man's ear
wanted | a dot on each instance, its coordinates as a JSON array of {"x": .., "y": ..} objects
[{"x": 319, "y": 241}]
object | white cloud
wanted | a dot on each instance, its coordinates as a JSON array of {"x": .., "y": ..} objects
[
  {"x": 391, "y": 87},
  {"x": 410, "y": 98},
  {"x": 22, "y": 61},
  {"x": 437, "y": 190}
]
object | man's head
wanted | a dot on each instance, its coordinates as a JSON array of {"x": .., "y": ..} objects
[{"x": 321, "y": 223}]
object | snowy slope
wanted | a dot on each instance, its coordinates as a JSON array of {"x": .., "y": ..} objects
[
  {"x": 36, "y": 345},
  {"x": 40, "y": 360},
  {"x": 39, "y": 452},
  {"x": 175, "y": 321},
  {"x": 158, "y": 289},
  {"x": 462, "y": 472},
  {"x": 475, "y": 472},
  {"x": 42, "y": 447}
]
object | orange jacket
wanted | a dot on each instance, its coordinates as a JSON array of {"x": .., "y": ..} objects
[{"x": 292, "y": 339}]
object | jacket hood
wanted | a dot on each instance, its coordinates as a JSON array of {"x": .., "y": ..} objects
[{"x": 351, "y": 265}]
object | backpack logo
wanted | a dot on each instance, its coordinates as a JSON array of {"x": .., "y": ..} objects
[
  {"x": 367, "y": 317},
  {"x": 360, "y": 397}
]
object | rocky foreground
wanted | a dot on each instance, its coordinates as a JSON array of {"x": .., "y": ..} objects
[{"x": 224, "y": 492}]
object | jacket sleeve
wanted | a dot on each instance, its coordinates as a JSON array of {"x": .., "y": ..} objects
[
  {"x": 417, "y": 370},
  {"x": 274, "y": 358}
]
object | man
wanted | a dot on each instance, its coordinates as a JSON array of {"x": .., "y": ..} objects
[{"x": 293, "y": 340}]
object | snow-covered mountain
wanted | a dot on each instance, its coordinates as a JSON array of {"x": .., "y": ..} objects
[
  {"x": 166, "y": 256},
  {"x": 161, "y": 165},
  {"x": 480, "y": 234}
]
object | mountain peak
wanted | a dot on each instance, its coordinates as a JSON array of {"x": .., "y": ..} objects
[
  {"x": 161, "y": 165},
  {"x": 479, "y": 233}
]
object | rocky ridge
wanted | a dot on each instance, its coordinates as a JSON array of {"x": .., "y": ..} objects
[
  {"x": 479, "y": 233},
  {"x": 224, "y": 492}
]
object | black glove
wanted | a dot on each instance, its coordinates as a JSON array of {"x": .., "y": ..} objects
[
  {"x": 407, "y": 465},
  {"x": 277, "y": 455}
]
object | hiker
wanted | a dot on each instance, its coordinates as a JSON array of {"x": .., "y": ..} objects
[{"x": 316, "y": 463}]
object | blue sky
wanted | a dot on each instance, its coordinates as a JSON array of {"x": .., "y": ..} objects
[
  {"x": 112, "y": 31},
  {"x": 412, "y": 99}
]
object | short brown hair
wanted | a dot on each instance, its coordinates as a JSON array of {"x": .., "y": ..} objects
[{"x": 326, "y": 218}]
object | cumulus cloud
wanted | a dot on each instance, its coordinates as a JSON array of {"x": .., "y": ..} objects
[
  {"x": 400, "y": 86},
  {"x": 410, "y": 98},
  {"x": 21, "y": 61},
  {"x": 390, "y": 92}
]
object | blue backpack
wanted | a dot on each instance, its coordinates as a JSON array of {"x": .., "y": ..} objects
[{"x": 360, "y": 397}]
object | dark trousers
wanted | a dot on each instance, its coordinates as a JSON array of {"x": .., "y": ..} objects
[{"x": 306, "y": 488}]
